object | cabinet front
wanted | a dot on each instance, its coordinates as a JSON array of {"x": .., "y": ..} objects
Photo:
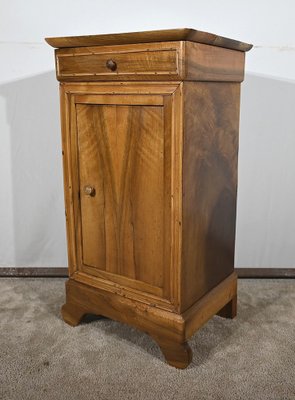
[{"x": 122, "y": 173}]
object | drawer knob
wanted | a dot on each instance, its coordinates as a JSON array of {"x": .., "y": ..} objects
[
  {"x": 111, "y": 64},
  {"x": 89, "y": 190}
]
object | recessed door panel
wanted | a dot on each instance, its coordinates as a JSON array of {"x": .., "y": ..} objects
[{"x": 124, "y": 183}]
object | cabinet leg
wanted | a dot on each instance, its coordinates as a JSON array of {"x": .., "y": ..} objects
[
  {"x": 229, "y": 310},
  {"x": 72, "y": 314},
  {"x": 179, "y": 355}
]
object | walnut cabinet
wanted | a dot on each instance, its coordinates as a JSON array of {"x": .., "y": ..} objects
[{"x": 150, "y": 141}]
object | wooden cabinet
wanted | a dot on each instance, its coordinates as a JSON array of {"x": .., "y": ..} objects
[{"x": 150, "y": 139}]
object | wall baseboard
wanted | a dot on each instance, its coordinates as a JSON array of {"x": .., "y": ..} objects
[
  {"x": 265, "y": 272},
  {"x": 63, "y": 272},
  {"x": 33, "y": 272}
]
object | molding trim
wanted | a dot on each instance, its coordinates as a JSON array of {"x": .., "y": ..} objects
[
  {"x": 265, "y": 272},
  {"x": 63, "y": 272},
  {"x": 33, "y": 272}
]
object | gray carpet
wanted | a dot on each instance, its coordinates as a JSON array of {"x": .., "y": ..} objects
[{"x": 251, "y": 357}]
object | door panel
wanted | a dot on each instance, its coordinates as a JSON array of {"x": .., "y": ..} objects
[{"x": 121, "y": 153}]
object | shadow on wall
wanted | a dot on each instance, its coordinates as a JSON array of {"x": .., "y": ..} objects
[
  {"x": 266, "y": 194},
  {"x": 266, "y": 191},
  {"x": 32, "y": 113}
]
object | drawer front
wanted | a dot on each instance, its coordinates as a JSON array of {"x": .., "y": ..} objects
[{"x": 134, "y": 62}]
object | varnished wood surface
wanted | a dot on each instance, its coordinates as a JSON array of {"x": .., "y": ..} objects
[
  {"x": 210, "y": 304},
  {"x": 121, "y": 154},
  {"x": 150, "y": 177},
  {"x": 211, "y": 122},
  {"x": 148, "y": 36},
  {"x": 67, "y": 157},
  {"x": 150, "y": 62},
  {"x": 138, "y": 62},
  {"x": 184, "y": 281},
  {"x": 122, "y": 88},
  {"x": 178, "y": 355},
  {"x": 117, "y": 140},
  {"x": 72, "y": 314},
  {"x": 229, "y": 310},
  {"x": 209, "y": 63},
  {"x": 129, "y": 288},
  {"x": 150, "y": 319},
  {"x": 169, "y": 329}
]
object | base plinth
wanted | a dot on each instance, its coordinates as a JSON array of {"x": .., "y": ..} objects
[{"x": 170, "y": 330}]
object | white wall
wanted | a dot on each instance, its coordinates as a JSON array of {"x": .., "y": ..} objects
[{"x": 32, "y": 230}]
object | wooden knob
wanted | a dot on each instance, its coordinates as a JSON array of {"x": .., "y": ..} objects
[
  {"x": 112, "y": 65},
  {"x": 89, "y": 190}
]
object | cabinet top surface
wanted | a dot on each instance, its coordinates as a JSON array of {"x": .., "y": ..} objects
[{"x": 187, "y": 34}]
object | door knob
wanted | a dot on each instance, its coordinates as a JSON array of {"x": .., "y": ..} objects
[
  {"x": 89, "y": 190},
  {"x": 111, "y": 64}
]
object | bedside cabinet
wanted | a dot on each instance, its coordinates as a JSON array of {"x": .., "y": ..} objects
[{"x": 150, "y": 142}]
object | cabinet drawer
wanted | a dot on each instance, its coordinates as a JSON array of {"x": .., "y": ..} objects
[{"x": 136, "y": 62}]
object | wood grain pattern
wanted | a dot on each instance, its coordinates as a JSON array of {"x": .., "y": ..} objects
[
  {"x": 148, "y": 36},
  {"x": 169, "y": 329},
  {"x": 121, "y": 154},
  {"x": 119, "y": 88},
  {"x": 150, "y": 178},
  {"x": 229, "y": 310},
  {"x": 124, "y": 151},
  {"x": 67, "y": 179},
  {"x": 72, "y": 314},
  {"x": 209, "y": 63},
  {"x": 152, "y": 61},
  {"x": 213, "y": 302},
  {"x": 126, "y": 287},
  {"x": 143, "y": 63},
  {"x": 178, "y": 355},
  {"x": 211, "y": 122},
  {"x": 150, "y": 319}
]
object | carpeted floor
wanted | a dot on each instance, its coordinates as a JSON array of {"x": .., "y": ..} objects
[{"x": 251, "y": 357}]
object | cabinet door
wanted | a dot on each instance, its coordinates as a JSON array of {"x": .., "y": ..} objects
[{"x": 123, "y": 163}]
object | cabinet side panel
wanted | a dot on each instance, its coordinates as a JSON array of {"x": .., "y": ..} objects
[
  {"x": 210, "y": 63},
  {"x": 211, "y": 125}
]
